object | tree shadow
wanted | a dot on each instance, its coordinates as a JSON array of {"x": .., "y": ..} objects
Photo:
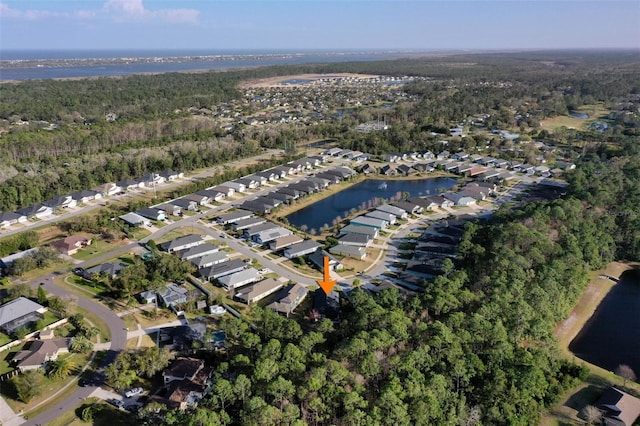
[{"x": 585, "y": 396}]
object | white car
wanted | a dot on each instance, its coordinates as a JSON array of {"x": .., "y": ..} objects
[{"x": 133, "y": 392}]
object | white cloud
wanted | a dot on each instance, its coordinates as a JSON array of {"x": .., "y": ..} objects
[
  {"x": 119, "y": 10},
  {"x": 124, "y": 10}
]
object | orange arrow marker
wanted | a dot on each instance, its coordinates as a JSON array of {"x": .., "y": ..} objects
[{"x": 327, "y": 283}]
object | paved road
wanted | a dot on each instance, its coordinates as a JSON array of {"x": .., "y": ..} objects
[{"x": 118, "y": 343}]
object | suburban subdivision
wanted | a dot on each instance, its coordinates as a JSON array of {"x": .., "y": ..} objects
[{"x": 481, "y": 229}]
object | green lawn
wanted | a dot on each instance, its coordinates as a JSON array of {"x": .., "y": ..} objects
[
  {"x": 97, "y": 248},
  {"x": 5, "y": 359},
  {"x": 4, "y": 339}
]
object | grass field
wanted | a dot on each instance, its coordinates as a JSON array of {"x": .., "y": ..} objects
[
  {"x": 98, "y": 247},
  {"x": 595, "y": 113}
]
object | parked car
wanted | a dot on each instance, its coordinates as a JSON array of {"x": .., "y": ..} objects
[
  {"x": 115, "y": 402},
  {"x": 133, "y": 392}
]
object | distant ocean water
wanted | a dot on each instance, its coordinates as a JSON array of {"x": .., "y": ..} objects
[{"x": 81, "y": 63}]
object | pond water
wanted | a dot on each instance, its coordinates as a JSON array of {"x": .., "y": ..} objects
[
  {"x": 360, "y": 195},
  {"x": 612, "y": 336},
  {"x": 576, "y": 114}
]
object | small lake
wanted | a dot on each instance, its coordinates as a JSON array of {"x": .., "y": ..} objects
[
  {"x": 612, "y": 336},
  {"x": 359, "y": 196},
  {"x": 580, "y": 115}
]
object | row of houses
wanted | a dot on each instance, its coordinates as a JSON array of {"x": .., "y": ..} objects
[{"x": 48, "y": 208}]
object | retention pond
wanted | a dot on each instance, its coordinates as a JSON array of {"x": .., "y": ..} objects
[{"x": 363, "y": 195}]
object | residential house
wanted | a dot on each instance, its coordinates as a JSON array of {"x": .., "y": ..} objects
[
  {"x": 295, "y": 193},
  {"x": 256, "y": 229},
  {"x": 461, "y": 156},
  {"x": 490, "y": 174},
  {"x": 40, "y": 352},
  {"x": 225, "y": 189},
  {"x": 238, "y": 279},
  {"x": 181, "y": 243},
  {"x": 325, "y": 305},
  {"x": 409, "y": 207},
  {"x": 198, "y": 251},
  {"x": 18, "y": 313},
  {"x": 331, "y": 177},
  {"x": 463, "y": 169},
  {"x": 262, "y": 180},
  {"x": 343, "y": 172},
  {"x": 333, "y": 151},
  {"x": 285, "y": 241},
  {"x": 358, "y": 240},
  {"x": 440, "y": 201},
  {"x": 322, "y": 183},
  {"x": 256, "y": 207},
  {"x": 301, "y": 249},
  {"x": 134, "y": 219},
  {"x": 355, "y": 229},
  {"x": 147, "y": 297},
  {"x": 476, "y": 158},
  {"x": 109, "y": 189},
  {"x": 130, "y": 184},
  {"x": 368, "y": 169},
  {"x": 10, "y": 218},
  {"x": 170, "y": 175},
  {"x": 377, "y": 214},
  {"x": 185, "y": 204},
  {"x": 173, "y": 295},
  {"x": 428, "y": 155},
  {"x": 542, "y": 171},
  {"x": 425, "y": 203},
  {"x": 369, "y": 221},
  {"x": 317, "y": 258},
  {"x": 86, "y": 195},
  {"x": 388, "y": 170},
  {"x": 442, "y": 155},
  {"x": 391, "y": 158},
  {"x": 475, "y": 171},
  {"x": 459, "y": 199},
  {"x": 618, "y": 408},
  {"x": 289, "y": 299},
  {"x": 212, "y": 195},
  {"x": 234, "y": 217},
  {"x": 61, "y": 202},
  {"x": 71, "y": 245},
  {"x": 423, "y": 167},
  {"x": 248, "y": 182},
  {"x": 210, "y": 259},
  {"x": 349, "y": 251},
  {"x": 152, "y": 179},
  {"x": 397, "y": 212},
  {"x": 302, "y": 164},
  {"x": 236, "y": 186},
  {"x": 286, "y": 169},
  {"x": 283, "y": 198},
  {"x": 151, "y": 213},
  {"x": 182, "y": 338},
  {"x": 7, "y": 261},
  {"x": 200, "y": 199},
  {"x": 270, "y": 202},
  {"x": 258, "y": 291},
  {"x": 266, "y": 237},
  {"x": 182, "y": 369},
  {"x": 221, "y": 269},
  {"x": 111, "y": 269},
  {"x": 170, "y": 209},
  {"x": 38, "y": 211},
  {"x": 405, "y": 169},
  {"x": 269, "y": 175},
  {"x": 248, "y": 223}
]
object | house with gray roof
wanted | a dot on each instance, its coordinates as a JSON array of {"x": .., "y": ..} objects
[
  {"x": 369, "y": 221},
  {"x": 210, "y": 259},
  {"x": 409, "y": 207},
  {"x": 355, "y": 229},
  {"x": 111, "y": 269},
  {"x": 181, "y": 243},
  {"x": 317, "y": 258},
  {"x": 234, "y": 216},
  {"x": 18, "y": 313},
  {"x": 134, "y": 219},
  {"x": 359, "y": 240},
  {"x": 86, "y": 195},
  {"x": 289, "y": 299},
  {"x": 243, "y": 224},
  {"x": 301, "y": 249},
  {"x": 377, "y": 214},
  {"x": 271, "y": 235},
  {"x": 238, "y": 279},
  {"x": 11, "y": 218},
  {"x": 173, "y": 295},
  {"x": 39, "y": 352},
  {"x": 185, "y": 204},
  {"x": 285, "y": 241},
  {"x": 221, "y": 269},
  {"x": 349, "y": 251},
  {"x": 198, "y": 251},
  {"x": 396, "y": 211},
  {"x": 150, "y": 213},
  {"x": 256, "y": 229},
  {"x": 258, "y": 291}
]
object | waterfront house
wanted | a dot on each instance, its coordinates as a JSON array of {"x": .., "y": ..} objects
[
  {"x": 409, "y": 207},
  {"x": 369, "y": 221},
  {"x": 388, "y": 170},
  {"x": 618, "y": 408},
  {"x": 359, "y": 240},
  {"x": 355, "y": 229},
  {"x": 377, "y": 214}
]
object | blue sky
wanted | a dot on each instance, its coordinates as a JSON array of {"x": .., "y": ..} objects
[{"x": 318, "y": 24}]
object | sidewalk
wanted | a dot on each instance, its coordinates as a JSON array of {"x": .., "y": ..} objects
[{"x": 7, "y": 416}]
